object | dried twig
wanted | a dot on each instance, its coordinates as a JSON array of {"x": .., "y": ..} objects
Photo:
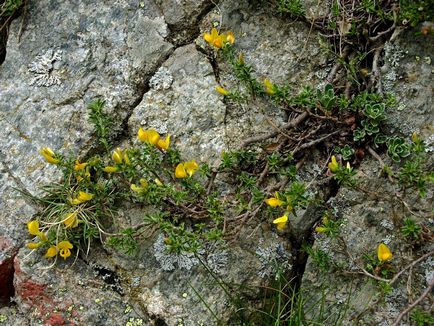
[
  {"x": 292, "y": 124},
  {"x": 415, "y": 303}
]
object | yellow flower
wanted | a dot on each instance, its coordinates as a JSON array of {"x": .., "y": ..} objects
[
  {"x": 71, "y": 220},
  {"x": 150, "y": 136},
  {"x": 33, "y": 245},
  {"x": 230, "y": 37},
  {"x": 126, "y": 158},
  {"x": 321, "y": 229},
  {"x": 164, "y": 144},
  {"x": 333, "y": 165},
  {"x": 185, "y": 169},
  {"x": 110, "y": 169},
  {"x": 141, "y": 188},
  {"x": 86, "y": 175},
  {"x": 210, "y": 38},
  {"x": 415, "y": 137},
  {"x": 218, "y": 40},
  {"x": 49, "y": 155},
  {"x": 82, "y": 197},
  {"x": 281, "y": 222},
  {"x": 222, "y": 91},
  {"x": 191, "y": 167},
  {"x": 270, "y": 88},
  {"x": 117, "y": 156},
  {"x": 33, "y": 227},
  {"x": 384, "y": 253},
  {"x": 51, "y": 252},
  {"x": 158, "y": 182},
  {"x": 180, "y": 172},
  {"x": 64, "y": 248},
  {"x": 274, "y": 201},
  {"x": 79, "y": 166}
]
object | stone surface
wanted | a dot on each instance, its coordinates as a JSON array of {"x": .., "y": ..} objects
[
  {"x": 369, "y": 220},
  {"x": 149, "y": 62},
  {"x": 190, "y": 110},
  {"x": 84, "y": 51},
  {"x": 67, "y": 294},
  {"x": 408, "y": 74}
]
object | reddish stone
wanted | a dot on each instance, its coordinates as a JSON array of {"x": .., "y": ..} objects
[{"x": 37, "y": 296}]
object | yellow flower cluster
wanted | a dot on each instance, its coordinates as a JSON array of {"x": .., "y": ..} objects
[
  {"x": 79, "y": 167},
  {"x": 119, "y": 157},
  {"x": 186, "y": 169},
  {"x": 153, "y": 137},
  {"x": 63, "y": 247},
  {"x": 277, "y": 201},
  {"x": 219, "y": 40},
  {"x": 33, "y": 228}
]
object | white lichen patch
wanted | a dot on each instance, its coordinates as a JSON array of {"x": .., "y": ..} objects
[
  {"x": 44, "y": 68},
  {"x": 161, "y": 80},
  {"x": 392, "y": 56},
  {"x": 169, "y": 261},
  {"x": 273, "y": 259},
  {"x": 213, "y": 255},
  {"x": 387, "y": 225}
]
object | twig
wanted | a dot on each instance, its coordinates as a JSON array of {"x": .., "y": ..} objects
[
  {"x": 314, "y": 142},
  {"x": 211, "y": 182},
  {"x": 378, "y": 158},
  {"x": 411, "y": 265},
  {"x": 415, "y": 303},
  {"x": 292, "y": 124}
]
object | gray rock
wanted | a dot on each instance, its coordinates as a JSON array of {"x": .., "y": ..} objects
[
  {"x": 190, "y": 110},
  {"x": 408, "y": 75},
  {"x": 67, "y": 58}
]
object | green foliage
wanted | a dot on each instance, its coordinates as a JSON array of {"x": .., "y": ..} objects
[
  {"x": 347, "y": 152},
  {"x": 421, "y": 318},
  {"x": 411, "y": 229},
  {"x": 126, "y": 242},
  {"x": 102, "y": 121},
  {"x": 329, "y": 227},
  {"x": 10, "y": 7},
  {"x": 345, "y": 176},
  {"x": 416, "y": 11},
  {"x": 327, "y": 98},
  {"x": 292, "y": 7},
  {"x": 319, "y": 257},
  {"x": 397, "y": 148}
]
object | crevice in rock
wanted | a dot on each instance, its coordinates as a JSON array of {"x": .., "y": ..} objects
[
  {"x": 186, "y": 33},
  {"x": 305, "y": 236},
  {"x": 7, "y": 271},
  {"x": 5, "y": 22},
  {"x": 123, "y": 130}
]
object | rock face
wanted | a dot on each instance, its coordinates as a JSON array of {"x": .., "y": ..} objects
[{"x": 371, "y": 218}]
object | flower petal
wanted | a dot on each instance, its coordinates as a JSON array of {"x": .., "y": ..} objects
[
  {"x": 180, "y": 171},
  {"x": 33, "y": 227},
  {"x": 384, "y": 253}
]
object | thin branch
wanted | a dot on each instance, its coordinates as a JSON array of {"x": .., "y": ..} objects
[
  {"x": 415, "y": 303},
  {"x": 292, "y": 124}
]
